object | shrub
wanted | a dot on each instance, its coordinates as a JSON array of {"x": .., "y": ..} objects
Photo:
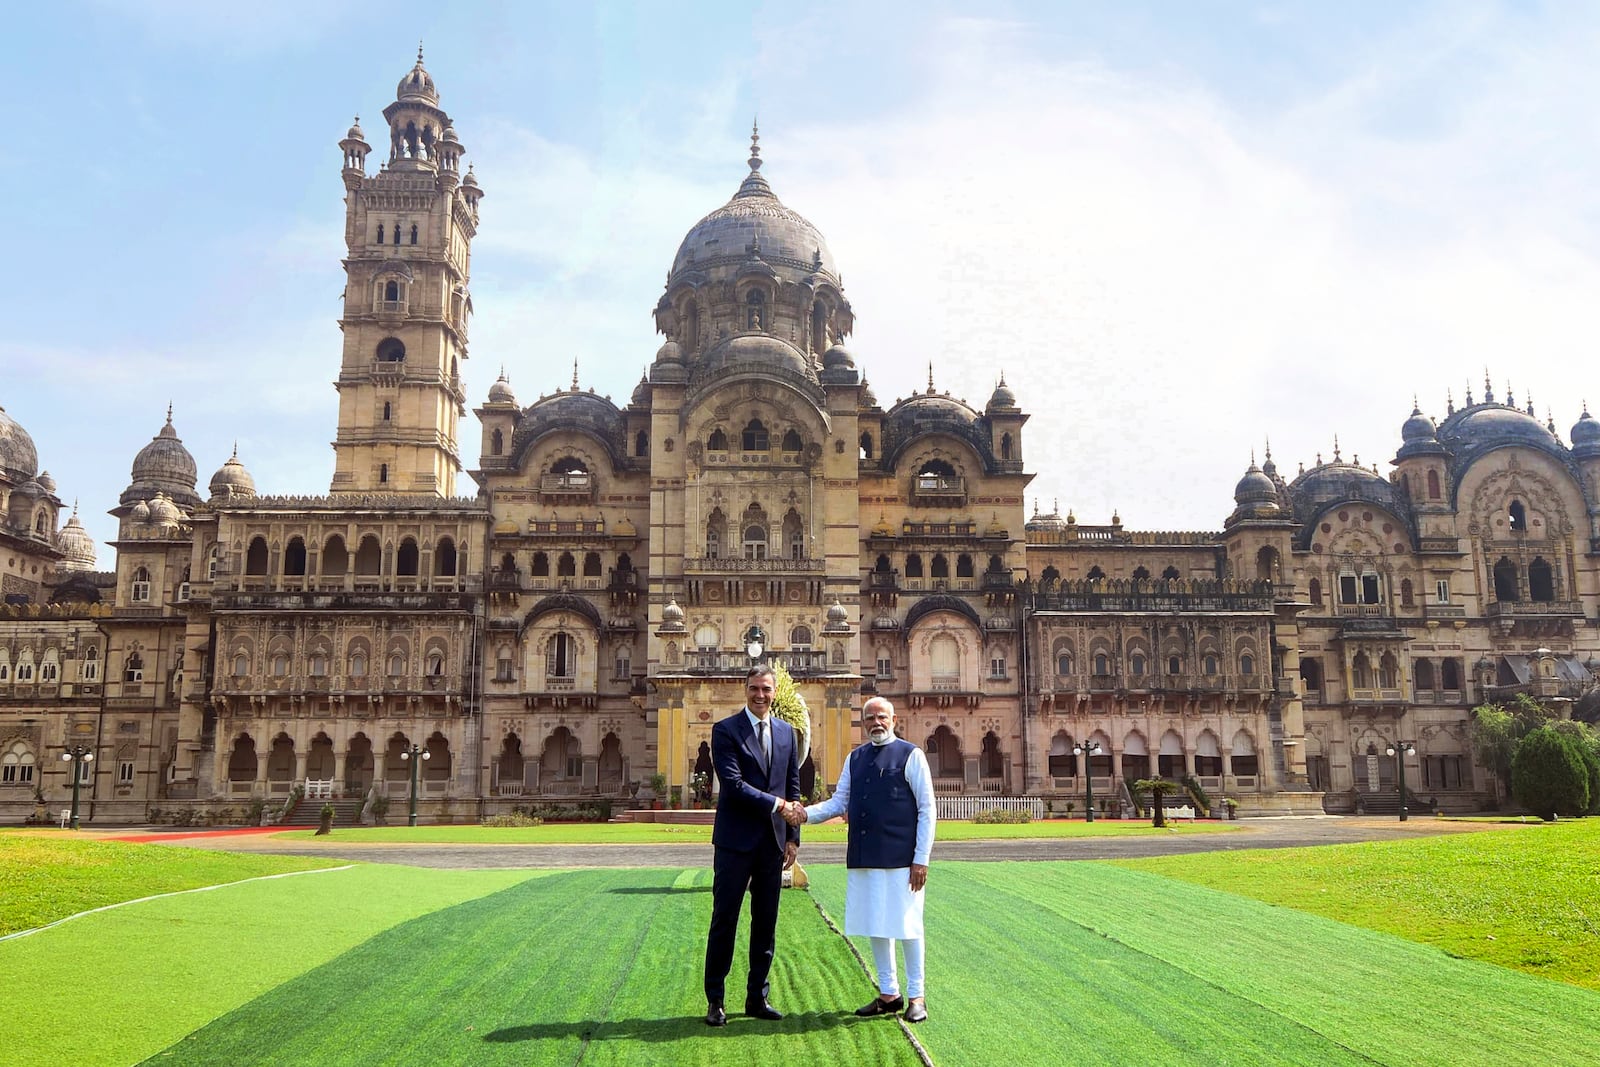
[
  {"x": 1588, "y": 742},
  {"x": 1201, "y": 798},
  {"x": 513, "y": 818},
  {"x": 587, "y": 811},
  {"x": 1002, "y": 816},
  {"x": 1548, "y": 774}
]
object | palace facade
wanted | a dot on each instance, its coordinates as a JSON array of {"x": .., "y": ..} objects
[{"x": 571, "y": 621}]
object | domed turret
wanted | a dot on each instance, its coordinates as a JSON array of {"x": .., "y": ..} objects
[
  {"x": 47, "y": 483},
  {"x": 672, "y": 618},
  {"x": 75, "y": 544},
  {"x": 164, "y": 512},
  {"x": 1586, "y": 435},
  {"x": 232, "y": 481},
  {"x": 1418, "y": 427},
  {"x": 838, "y": 618},
  {"x": 417, "y": 86},
  {"x": 500, "y": 392},
  {"x": 838, "y": 357},
  {"x": 641, "y": 392},
  {"x": 354, "y": 132},
  {"x": 18, "y": 457},
  {"x": 869, "y": 399},
  {"x": 140, "y": 512},
  {"x": 1255, "y": 487},
  {"x": 163, "y": 466},
  {"x": 1002, "y": 397}
]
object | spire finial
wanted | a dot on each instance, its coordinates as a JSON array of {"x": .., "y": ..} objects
[
  {"x": 1336, "y": 458},
  {"x": 419, "y": 51},
  {"x": 1252, "y": 457},
  {"x": 1488, "y": 388},
  {"x": 755, "y": 144},
  {"x": 574, "y": 374},
  {"x": 1449, "y": 401},
  {"x": 235, "y": 455},
  {"x": 1469, "y": 394},
  {"x": 930, "y": 375},
  {"x": 169, "y": 413}
]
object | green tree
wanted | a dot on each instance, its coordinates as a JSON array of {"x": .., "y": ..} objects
[
  {"x": 1588, "y": 742},
  {"x": 1548, "y": 774},
  {"x": 788, "y": 704},
  {"x": 1497, "y": 730}
]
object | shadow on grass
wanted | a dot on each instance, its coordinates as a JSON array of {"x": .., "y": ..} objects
[
  {"x": 658, "y": 890},
  {"x": 672, "y": 1028}
]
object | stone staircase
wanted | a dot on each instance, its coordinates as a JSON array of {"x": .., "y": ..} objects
[{"x": 309, "y": 811}]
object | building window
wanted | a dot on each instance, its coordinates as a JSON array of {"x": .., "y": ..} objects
[
  {"x": 1064, "y": 663},
  {"x": 1519, "y": 517},
  {"x": 319, "y": 665},
  {"x": 717, "y": 442},
  {"x": 1247, "y": 664},
  {"x": 48, "y": 672},
  {"x": 1102, "y": 664},
  {"x": 1316, "y": 593},
  {"x": 397, "y": 665},
  {"x": 241, "y": 665},
  {"x": 1506, "y": 586},
  {"x": 16, "y": 765},
  {"x": 280, "y": 666},
  {"x": 997, "y": 667},
  {"x": 91, "y": 665},
  {"x": 1210, "y": 663},
  {"x": 435, "y": 665},
  {"x": 503, "y": 669},
  {"x": 1174, "y": 665},
  {"x": 885, "y": 667},
  {"x": 1541, "y": 581},
  {"x": 141, "y": 586},
  {"x": 1433, "y": 485},
  {"x": 125, "y": 772},
  {"x": 133, "y": 669},
  {"x": 561, "y": 657},
  {"x": 1136, "y": 663},
  {"x": 1441, "y": 590},
  {"x": 755, "y": 542},
  {"x": 358, "y": 665},
  {"x": 754, "y": 438},
  {"x": 1406, "y": 595},
  {"x": 624, "y": 665}
]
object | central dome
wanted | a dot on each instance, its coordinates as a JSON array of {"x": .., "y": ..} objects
[
  {"x": 754, "y": 222},
  {"x": 17, "y": 454}
]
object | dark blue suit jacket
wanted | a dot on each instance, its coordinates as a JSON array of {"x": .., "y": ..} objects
[{"x": 745, "y": 819}]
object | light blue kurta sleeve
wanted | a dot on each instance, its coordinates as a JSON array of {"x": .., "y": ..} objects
[
  {"x": 920, "y": 779},
  {"x": 835, "y": 805}
]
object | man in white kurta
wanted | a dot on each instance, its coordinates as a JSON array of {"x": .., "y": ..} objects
[{"x": 891, "y": 822}]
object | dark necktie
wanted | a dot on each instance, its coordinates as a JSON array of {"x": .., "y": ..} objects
[{"x": 761, "y": 745}]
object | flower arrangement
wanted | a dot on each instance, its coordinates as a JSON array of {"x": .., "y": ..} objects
[{"x": 790, "y": 706}]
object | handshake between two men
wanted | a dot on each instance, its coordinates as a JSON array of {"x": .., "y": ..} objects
[{"x": 793, "y": 812}]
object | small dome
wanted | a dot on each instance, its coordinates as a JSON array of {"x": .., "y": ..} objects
[
  {"x": 625, "y": 528},
  {"x": 838, "y": 356},
  {"x": 471, "y": 179},
  {"x": 163, "y": 466},
  {"x": 869, "y": 399},
  {"x": 17, "y": 455},
  {"x": 672, "y": 617},
  {"x": 417, "y": 86},
  {"x": 232, "y": 480},
  {"x": 47, "y": 483},
  {"x": 1255, "y": 487},
  {"x": 994, "y": 528},
  {"x": 1003, "y": 397},
  {"x": 669, "y": 352},
  {"x": 837, "y": 612},
  {"x": 641, "y": 392},
  {"x": 140, "y": 512},
  {"x": 30, "y": 488},
  {"x": 354, "y": 132},
  {"x": 450, "y": 134},
  {"x": 500, "y": 392},
  {"x": 882, "y": 528},
  {"x": 164, "y": 512},
  {"x": 76, "y": 546},
  {"x": 1586, "y": 431},
  {"x": 1418, "y": 427},
  {"x": 758, "y": 350}
]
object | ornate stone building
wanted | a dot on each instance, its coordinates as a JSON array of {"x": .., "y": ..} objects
[{"x": 575, "y": 627}]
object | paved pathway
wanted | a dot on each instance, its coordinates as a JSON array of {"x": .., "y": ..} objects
[{"x": 1252, "y": 833}]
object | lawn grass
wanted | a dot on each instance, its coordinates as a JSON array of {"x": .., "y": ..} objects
[
  {"x": 1091, "y": 963},
  {"x": 1526, "y": 897},
  {"x": 115, "y": 987},
  {"x": 602, "y": 966},
  {"x": 45, "y": 877},
  {"x": 616, "y": 833}
]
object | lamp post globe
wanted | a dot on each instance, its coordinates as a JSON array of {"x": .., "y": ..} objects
[
  {"x": 1087, "y": 749},
  {"x": 79, "y": 756},
  {"x": 414, "y": 754},
  {"x": 1399, "y": 750}
]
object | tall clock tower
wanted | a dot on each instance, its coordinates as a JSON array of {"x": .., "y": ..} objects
[{"x": 408, "y": 230}]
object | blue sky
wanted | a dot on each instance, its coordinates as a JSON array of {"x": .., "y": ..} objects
[{"x": 1179, "y": 229}]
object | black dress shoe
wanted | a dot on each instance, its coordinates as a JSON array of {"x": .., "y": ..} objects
[
  {"x": 879, "y": 1006},
  {"x": 760, "y": 1009},
  {"x": 917, "y": 1012},
  {"x": 715, "y": 1016}
]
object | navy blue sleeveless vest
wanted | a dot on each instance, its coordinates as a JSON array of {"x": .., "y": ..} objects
[{"x": 883, "y": 811}]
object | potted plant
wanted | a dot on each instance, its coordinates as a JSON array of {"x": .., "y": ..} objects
[
  {"x": 658, "y": 790},
  {"x": 1231, "y": 806},
  {"x": 700, "y": 786},
  {"x": 380, "y": 810},
  {"x": 325, "y": 820}
]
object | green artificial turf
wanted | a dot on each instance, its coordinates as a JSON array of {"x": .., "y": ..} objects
[
  {"x": 114, "y": 987},
  {"x": 1089, "y": 963},
  {"x": 668, "y": 833},
  {"x": 602, "y": 966},
  {"x": 44, "y": 878},
  {"x": 1522, "y": 897}
]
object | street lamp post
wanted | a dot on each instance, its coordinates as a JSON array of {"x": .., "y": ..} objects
[
  {"x": 1400, "y": 749},
  {"x": 415, "y": 754},
  {"x": 1087, "y": 749},
  {"x": 79, "y": 756}
]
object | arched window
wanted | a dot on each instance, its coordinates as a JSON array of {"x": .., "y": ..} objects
[
  {"x": 641, "y": 444},
  {"x": 1095, "y": 574},
  {"x": 940, "y": 567},
  {"x": 1316, "y": 592},
  {"x": 1311, "y": 673},
  {"x": 1136, "y": 663},
  {"x": 717, "y": 442},
  {"x": 800, "y": 637},
  {"x": 794, "y": 536},
  {"x": 139, "y": 590},
  {"x": 1170, "y": 574},
  {"x": 791, "y": 441},
  {"x": 1389, "y": 671},
  {"x": 255, "y": 557},
  {"x": 866, "y": 446},
  {"x": 1406, "y": 595},
  {"x": 1247, "y": 664},
  {"x": 1005, "y": 446},
  {"x": 1361, "y": 671},
  {"x": 1450, "y": 675},
  {"x": 1423, "y": 669},
  {"x": 1141, "y": 574},
  {"x": 335, "y": 558},
  {"x": 391, "y": 350},
  {"x": 561, "y": 660},
  {"x": 380, "y": 233},
  {"x": 566, "y": 566},
  {"x": 358, "y": 665},
  {"x": 570, "y": 473},
  {"x": 383, "y": 473},
  {"x": 591, "y": 565},
  {"x": 1102, "y": 664},
  {"x": 16, "y": 764},
  {"x": 444, "y": 558},
  {"x": 434, "y": 665},
  {"x": 397, "y": 664},
  {"x": 413, "y": 233},
  {"x": 755, "y": 310},
  {"x": 391, "y": 292},
  {"x": 1506, "y": 586},
  {"x": 1433, "y": 485},
  {"x": 1541, "y": 581},
  {"x": 497, "y": 443},
  {"x": 1064, "y": 663},
  {"x": 406, "y": 560},
  {"x": 964, "y": 568},
  {"x": 1209, "y": 665},
  {"x": 944, "y": 661},
  {"x": 91, "y": 664},
  {"x": 1519, "y": 517},
  {"x": 755, "y": 541},
  {"x": 294, "y": 558},
  {"x": 913, "y": 566},
  {"x": 754, "y": 438},
  {"x": 541, "y": 565},
  {"x": 132, "y": 668},
  {"x": 882, "y": 565},
  {"x": 369, "y": 556},
  {"x": 716, "y": 534},
  {"x": 1174, "y": 664},
  {"x": 213, "y": 562}
]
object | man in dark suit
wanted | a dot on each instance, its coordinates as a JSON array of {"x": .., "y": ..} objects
[{"x": 757, "y": 762}]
